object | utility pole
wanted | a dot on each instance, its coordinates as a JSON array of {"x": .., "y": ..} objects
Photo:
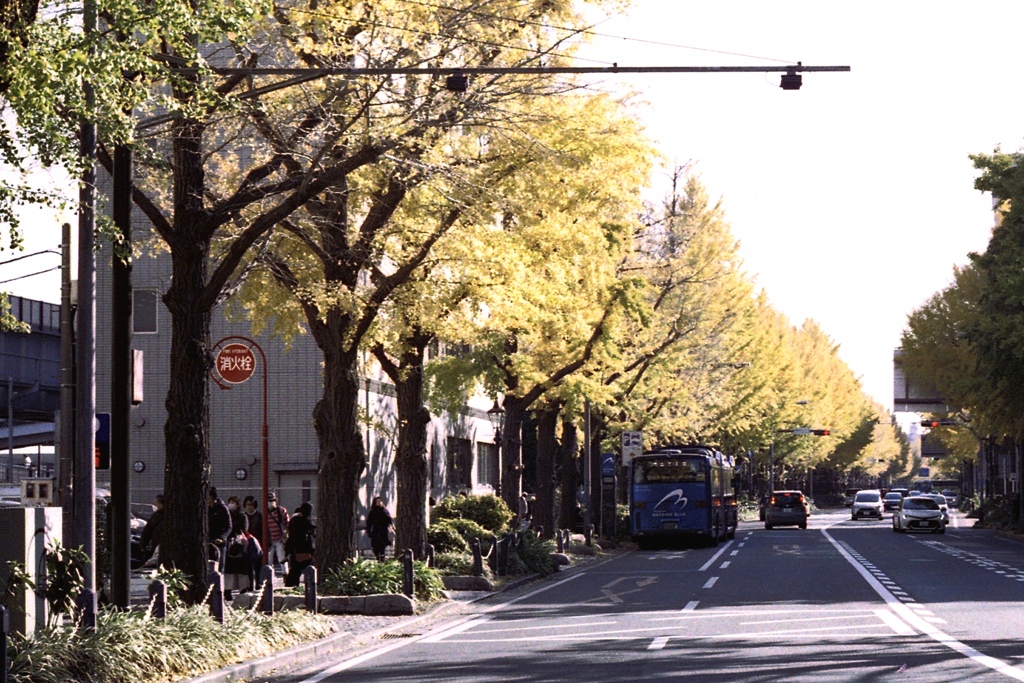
[{"x": 66, "y": 467}]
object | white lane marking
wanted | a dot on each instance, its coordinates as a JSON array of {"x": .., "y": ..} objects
[
  {"x": 711, "y": 582},
  {"x": 692, "y": 605},
  {"x": 923, "y": 626},
  {"x": 706, "y": 614},
  {"x": 507, "y": 629},
  {"x": 734, "y": 553},
  {"x": 714, "y": 558},
  {"x": 791, "y": 620},
  {"x": 465, "y": 626},
  {"x": 356, "y": 661},
  {"x": 898, "y": 626},
  {"x": 936, "y": 620},
  {"x": 853, "y": 632},
  {"x": 658, "y": 643},
  {"x": 724, "y": 564}
]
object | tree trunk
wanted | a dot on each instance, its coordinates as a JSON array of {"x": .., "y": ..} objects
[
  {"x": 342, "y": 457},
  {"x": 568, "y": 457},
  {"x": 547, "y": 451},
  {"x": 186, "y": 432},
  {"x": 511, "y": 452},
  {"x": 411, "y": 460}
]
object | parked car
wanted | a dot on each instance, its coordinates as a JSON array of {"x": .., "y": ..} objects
[
  {"x": 943, "y": 505},
  {"x": 867, "y": 503},
  {"x": 891, "y": 500},
  {"x": 951, "y": 497},
  {"x": 918, "y": 513},
  {"x": 787, "y": 508}
]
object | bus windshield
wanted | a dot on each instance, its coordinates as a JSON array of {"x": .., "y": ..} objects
[{"x": 669, "y": 471}]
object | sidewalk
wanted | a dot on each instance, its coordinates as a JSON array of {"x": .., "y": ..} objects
[{"x": 356, "y": 632}]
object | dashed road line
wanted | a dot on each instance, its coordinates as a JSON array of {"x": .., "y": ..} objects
[
  {"x": 658, "y": 643},
  {"x": 714, "y": 558}
]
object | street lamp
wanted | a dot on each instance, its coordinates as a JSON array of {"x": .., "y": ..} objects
[{"x": 496, "y": 415}]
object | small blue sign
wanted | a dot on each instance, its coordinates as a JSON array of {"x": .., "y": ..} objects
[{"x": 607, "y": 464}]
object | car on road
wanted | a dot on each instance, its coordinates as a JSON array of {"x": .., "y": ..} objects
[
  {"x": 848, "y": 496},
  {"x": 891, "y": 500},
  {"x": 943, "y": 505},
  {"x": 867, "y": 503},
  {"x": 951, "y": 498},
  {"x": 918, "y": 513},
  {"x": 786, "y": 508}
]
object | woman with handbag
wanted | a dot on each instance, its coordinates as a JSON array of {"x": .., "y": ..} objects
[
  {"x": 378, "y": 524},
  {"x": 299, "y": 546}
]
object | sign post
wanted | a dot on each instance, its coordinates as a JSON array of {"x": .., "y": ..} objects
[{"x": 235, "y": 364}]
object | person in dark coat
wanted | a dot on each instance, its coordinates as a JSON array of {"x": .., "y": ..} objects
[
  {"x": 378, "y": 524},
  {"x": 299, "y": 546},
  {"x": 218, "y": 521},
  {"x": 237, "y": 565},
  {"x": 255, "y": 518},
  {"x": 152, "y": 533}
]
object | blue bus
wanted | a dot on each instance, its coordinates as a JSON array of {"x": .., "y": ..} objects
[{"x": 682, "y": 492}]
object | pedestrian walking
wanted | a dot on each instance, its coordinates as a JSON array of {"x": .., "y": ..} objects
[
  {"x": 277, "y": 523},
  {"x": 219, "y": 523},
  {"x": 378, "y": 526},
  {"x": 524, "y": 511},
  {"x": 300, "y": 544},
  {"x": 152, "y": 534}
]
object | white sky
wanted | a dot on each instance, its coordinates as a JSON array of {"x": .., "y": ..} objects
[{"x": 853, "y": 197}]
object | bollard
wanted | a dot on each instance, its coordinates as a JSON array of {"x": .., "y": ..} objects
[
  {"x": 492, "y": 554},
  {"x": 217, "y": 597},
  {"x": 87, "y": 608},
  {"x": 478, "y": 558},
  {"x": 568, "y": 539},
  {"x": 408, "y": 579},
  {"x": 588, "y": 534},
  {"x": 309, "y": 581},
  {"x": 158, "y": 598},
  {"x": 540, "y": 531},
  {"x": 506, "y": 549},
  {"x": 559, "y": 544},
  {"x": 267, "y": 582},
  {"x": 430, "y": 555},
  {"x": 5, "y": 626}
]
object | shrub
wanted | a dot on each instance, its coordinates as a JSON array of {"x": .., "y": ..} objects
[
  {"x": 129, "y": 646},
  {"x": 488, "y": 511},
  {"x": 369, "y": 577},
  {"x": 454, "y": 564},
  {"x": 469, "y": 530},
  {"x": 446, "y": 538},
  {"x": 532, "y": 557}
]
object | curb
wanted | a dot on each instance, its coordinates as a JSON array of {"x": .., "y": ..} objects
[{"x": 300, "y": 656}]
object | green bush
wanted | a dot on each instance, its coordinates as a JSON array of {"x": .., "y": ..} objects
[
  {"x": 488, "y": 511},
  {"x": 446, "y": 538},
  {"x": 130, "y": 646},
  {"x": 454, "y": 564},
  {"x": 532, "y": 557},
  {"x": 369, "y": 577},
  {"x": 469, "y": 530}
]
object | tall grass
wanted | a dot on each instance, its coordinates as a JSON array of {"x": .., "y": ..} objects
[{"x": 130, "y": 646}]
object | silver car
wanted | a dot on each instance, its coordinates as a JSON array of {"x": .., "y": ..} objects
[
  {"x": 867, "y": 503},
  {"x": 918, "y": 513},
  {"x": 943, "y": 505}
]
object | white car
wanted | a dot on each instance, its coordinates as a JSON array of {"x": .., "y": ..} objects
[
  {"x": 918, "y": 513},
  {"x": 867, "y": 503},
  {"x": 943, "y": 505}
]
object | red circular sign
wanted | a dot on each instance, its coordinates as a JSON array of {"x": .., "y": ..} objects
[{"x": 235, "y": 363}]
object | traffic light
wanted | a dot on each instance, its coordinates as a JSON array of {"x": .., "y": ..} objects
[
  {"x": 103, "y": 441},
  {"x": 820, "y": 432},
  {"x": 938, "y": 423}
]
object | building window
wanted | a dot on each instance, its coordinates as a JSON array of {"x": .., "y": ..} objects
[
  {"x": 487, "y": 464},
  {"x": 144, "y": 311},
  {"x": 460, "y": 464}
]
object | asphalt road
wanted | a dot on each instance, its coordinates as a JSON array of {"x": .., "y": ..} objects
[{"x": 840, "y": 601}]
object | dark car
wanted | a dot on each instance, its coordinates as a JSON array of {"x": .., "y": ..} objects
[
  {"x": 892, "y": 500},
  {"x": 786, "y": 508}
]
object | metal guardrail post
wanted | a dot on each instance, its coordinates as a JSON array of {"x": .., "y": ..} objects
[
  {"x": 478, "y": 558},
  {"x": 493, "y": 554},
  {"x": 309, "y": 582},
  {"x": 408, "y": 578},
  {"x": 158, "y": 598},
  {"x": 430, "y": 554},
  {"x": 5, "y": 626},
  {"x": 588, "y": 534},
  {"x": 217, "y": 597},
  {"x": 559, "y": 544},
  {"x": 267, "y": 585}
]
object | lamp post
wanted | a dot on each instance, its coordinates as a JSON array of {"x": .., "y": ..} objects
[{"x": 496, "y": 414}]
